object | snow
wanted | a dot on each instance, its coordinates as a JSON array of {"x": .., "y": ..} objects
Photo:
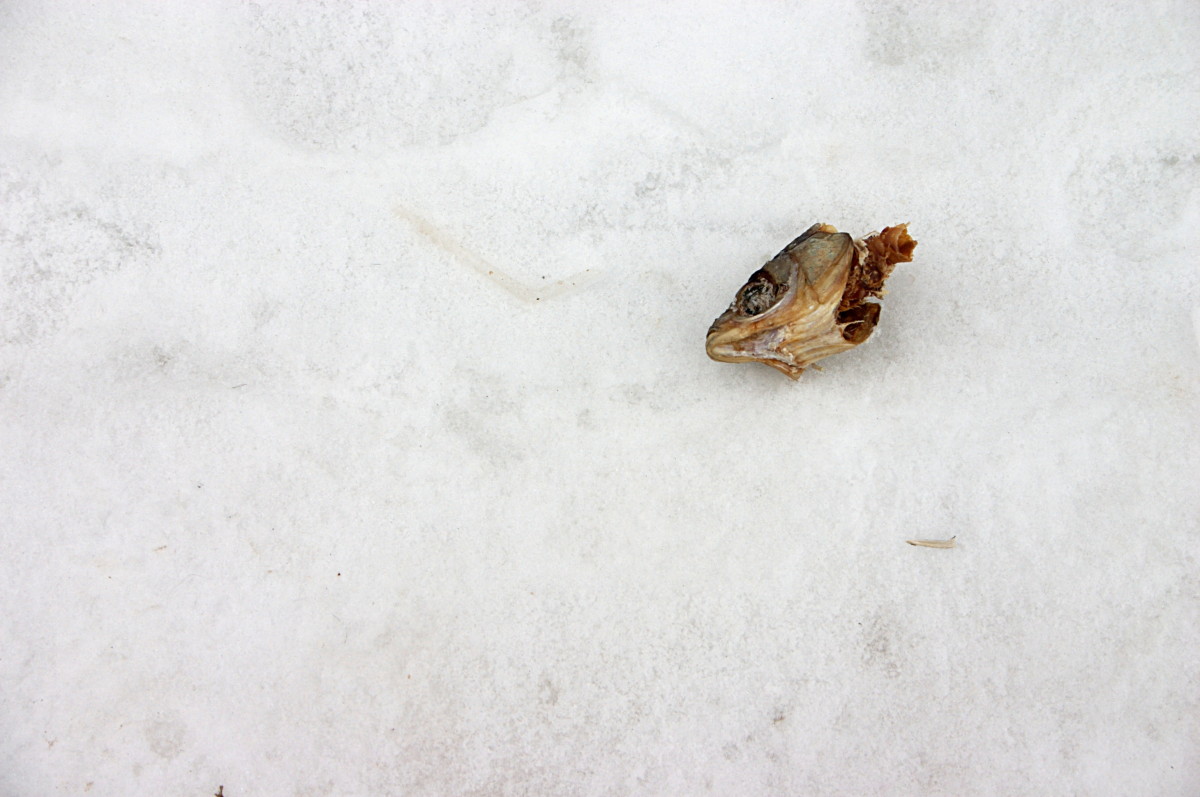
[{"x": 359, "y": 436}]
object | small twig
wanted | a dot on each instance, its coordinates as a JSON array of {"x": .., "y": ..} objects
[{"x": 934, "y": 543}]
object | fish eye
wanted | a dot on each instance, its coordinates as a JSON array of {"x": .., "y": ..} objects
[{"x": 759, "y": 294}]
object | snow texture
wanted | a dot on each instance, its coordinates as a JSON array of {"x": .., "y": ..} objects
[{"x": 359, "y": 439}]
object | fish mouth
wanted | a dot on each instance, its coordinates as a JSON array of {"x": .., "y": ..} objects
[{"x": 726, "y": 345}]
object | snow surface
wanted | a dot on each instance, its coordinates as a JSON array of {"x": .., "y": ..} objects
[{"x": 359, "y": 439}]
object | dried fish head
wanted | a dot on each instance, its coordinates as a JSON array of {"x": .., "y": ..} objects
[{"x": 809, "y": 301}]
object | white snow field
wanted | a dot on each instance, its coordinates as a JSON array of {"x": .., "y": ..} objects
[{"x": 357, "y": 435}]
